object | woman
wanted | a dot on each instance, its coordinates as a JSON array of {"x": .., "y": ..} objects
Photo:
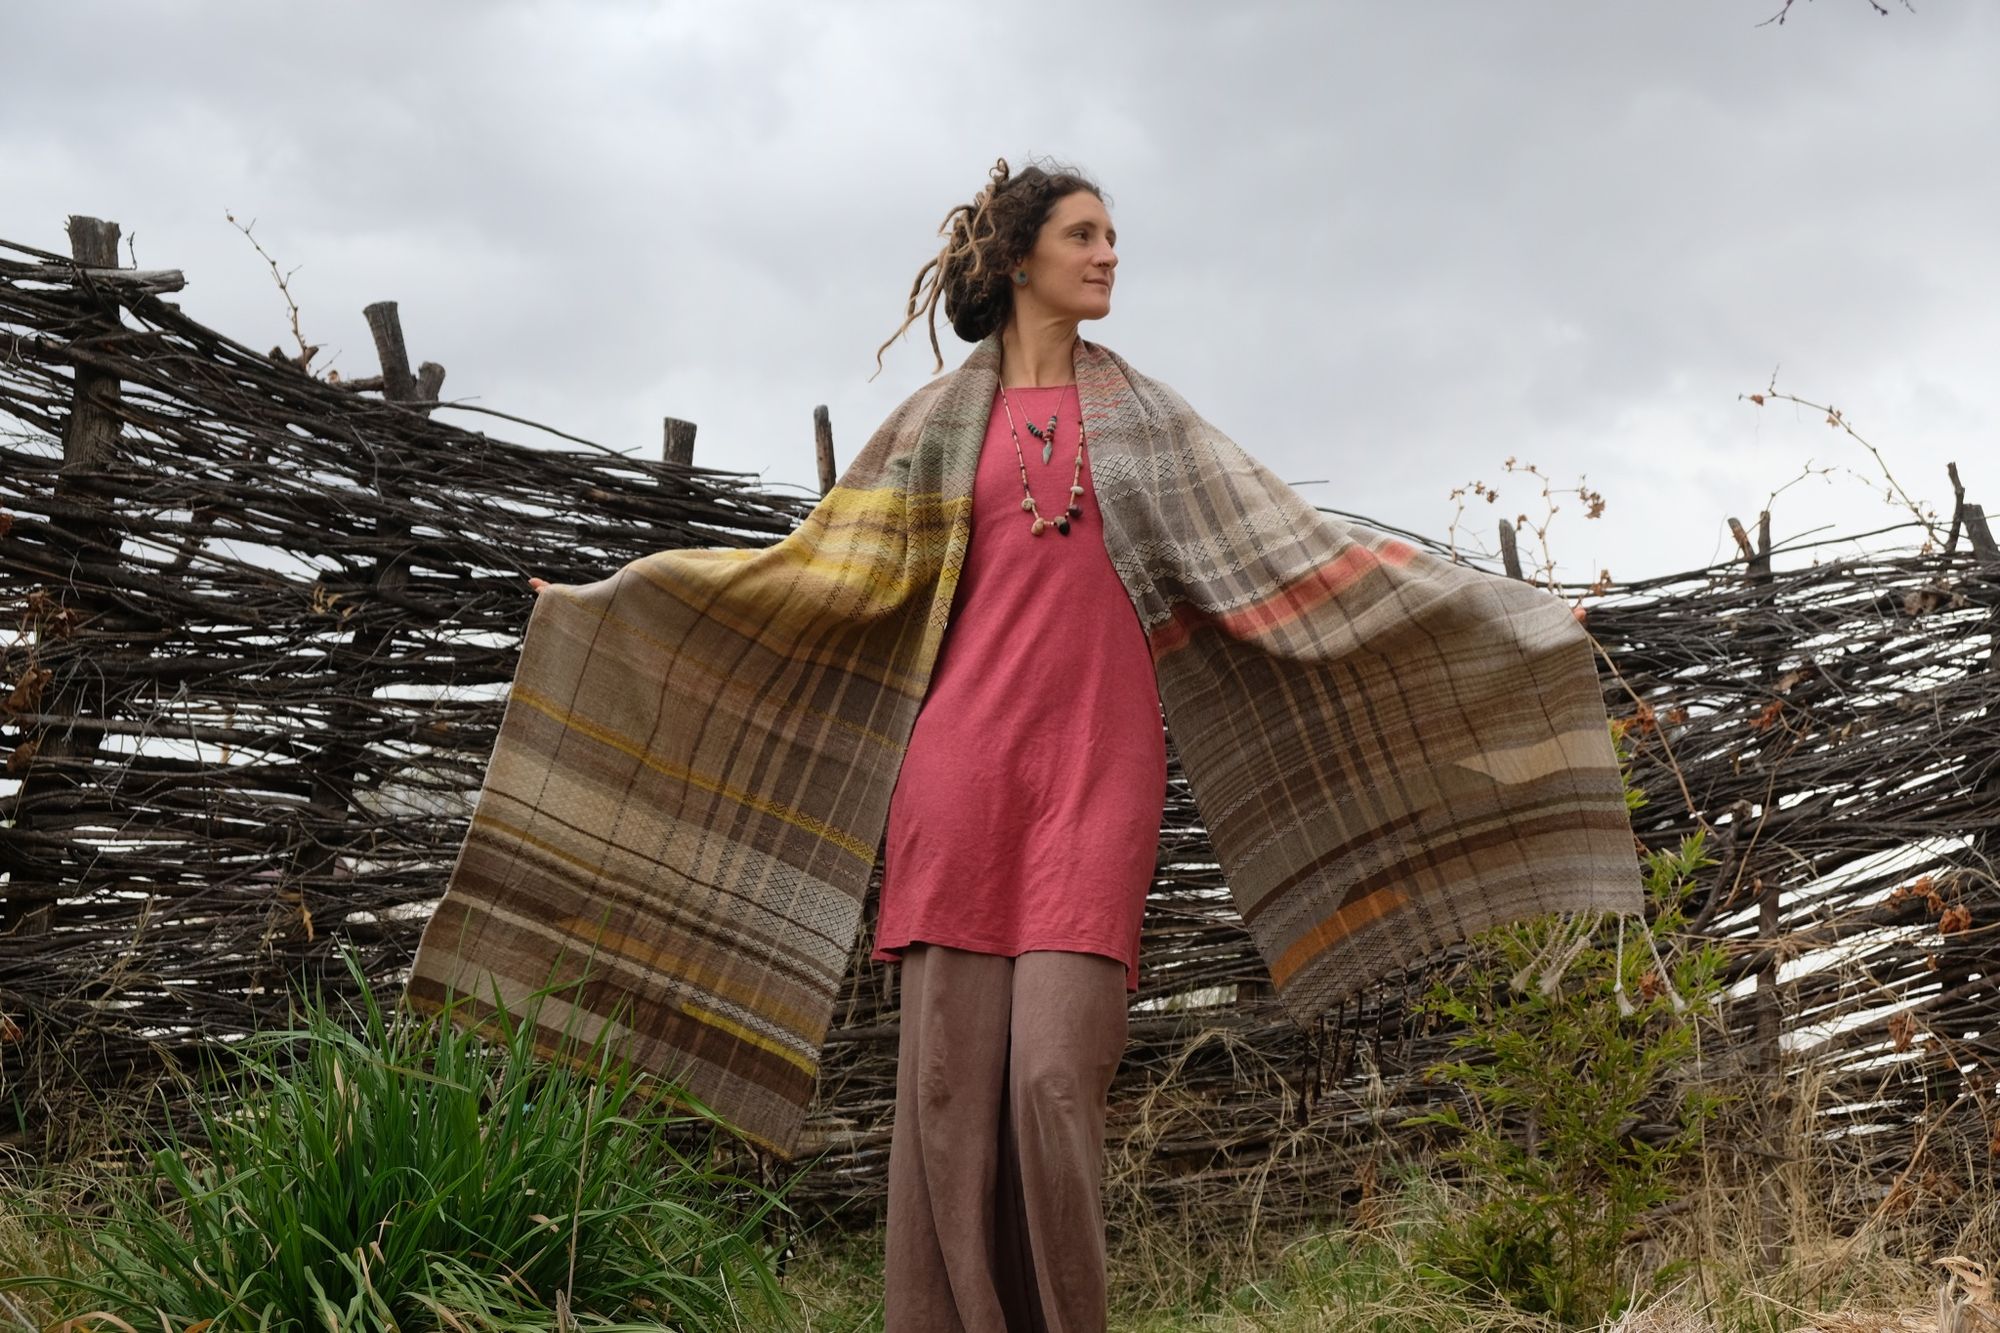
[
  {"x": 703, "y": 754},
  {"x": 1025, "y": 822}
]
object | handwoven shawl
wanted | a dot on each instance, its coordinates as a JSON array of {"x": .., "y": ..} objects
[{"x": 1390, "y": 752}]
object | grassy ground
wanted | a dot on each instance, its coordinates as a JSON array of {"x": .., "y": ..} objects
[
  {"x": 1317, "y": 1281},
  {"x": 1164, "y": 1278},
  {"x": 1812, "y": 1244}
]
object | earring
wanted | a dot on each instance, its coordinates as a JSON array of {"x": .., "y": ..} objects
[{"x": 1020, "y": 277}]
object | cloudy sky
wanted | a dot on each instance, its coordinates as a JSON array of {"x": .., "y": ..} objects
[{"x": 1383, "y": 246}]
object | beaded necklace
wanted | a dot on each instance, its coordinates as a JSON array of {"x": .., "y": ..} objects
[{"x": 1075, "y": 509}]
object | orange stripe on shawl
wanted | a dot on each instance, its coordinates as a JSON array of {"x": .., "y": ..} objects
[
  {"x": 1287, "y": 604},
  {"x": 1371, "y": 907}
]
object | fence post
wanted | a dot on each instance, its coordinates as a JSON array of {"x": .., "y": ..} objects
[
  {"x": 1765, "y": 642},
  {"x": 678, "y": 444},
  {"x": 89, "y": 441},
  {"x": 823, "y": 448},
  {"x": 1775, "y": 1104},
  {"x": 1510, "y": 551},
  {"x": 334, "y": 779}
]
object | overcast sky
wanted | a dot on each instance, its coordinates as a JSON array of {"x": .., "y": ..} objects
[{"x": 1383, "y": 246}]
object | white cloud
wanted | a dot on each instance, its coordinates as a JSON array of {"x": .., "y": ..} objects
[{"x": 1384, "y": 245}]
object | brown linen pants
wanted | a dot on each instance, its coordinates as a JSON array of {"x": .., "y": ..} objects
[{"x": 997, "y": 1153}]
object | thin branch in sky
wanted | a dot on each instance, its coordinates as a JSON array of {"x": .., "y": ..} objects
[
  {"x": 1786, "y": 8},
  {"x": 306, "y": 351},
  {"x": 1892, "y": 489}
]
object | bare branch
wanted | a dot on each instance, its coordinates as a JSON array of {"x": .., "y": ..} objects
[{"x": 306, "y": 352}]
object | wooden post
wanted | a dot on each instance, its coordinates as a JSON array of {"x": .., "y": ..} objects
[
  {"x": 91, "y": 434},
  {"x": 823, "y": 447},
  {"x": 1769, "y": 1056},
  {"x": 90, "y": 441},
  {"x": 1510, "y": 553},
  {"x": 398, "y": 385},
  {"x": 430, "y": 379},
  {"x": 334, "y": 781},
  {"x": 678, "y": 444},
  {"x": 1769, "y": 915},
  {"x": 1982, "y": 536},
  {"x": 1774, "y": 1100}
]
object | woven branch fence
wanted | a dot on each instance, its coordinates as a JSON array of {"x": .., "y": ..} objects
[{"x": 258, "y": 626}]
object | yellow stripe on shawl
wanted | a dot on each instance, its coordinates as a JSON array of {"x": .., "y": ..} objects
[
  {"x": 847, "y": 541},
  {"x": 748, "y": 1036},
  {"x": 838, "y": 837},
  {"x": 852, "y": 550},
  {"x": 709, "y": 979},
  {"x": 722, "y": 681}
]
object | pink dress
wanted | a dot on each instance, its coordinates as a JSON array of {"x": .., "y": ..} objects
[{"x": 1027, "y": 811}]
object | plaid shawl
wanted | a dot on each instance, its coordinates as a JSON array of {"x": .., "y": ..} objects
[{"x": 1391, "y": 752}]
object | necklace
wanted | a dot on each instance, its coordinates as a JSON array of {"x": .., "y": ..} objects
[{"x": 1075, "y": 509}]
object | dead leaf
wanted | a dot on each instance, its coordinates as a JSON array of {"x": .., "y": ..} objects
[
  {"x": 24, "y": 754},
  {"x": 26, "y": 696},
  {"x": 1797, "y": 675}
]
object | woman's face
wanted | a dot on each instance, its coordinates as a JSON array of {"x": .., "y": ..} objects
[{"x": 1070, "y": 269}]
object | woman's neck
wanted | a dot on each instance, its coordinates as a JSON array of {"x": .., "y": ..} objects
[{"x": 1037, "y": 352}]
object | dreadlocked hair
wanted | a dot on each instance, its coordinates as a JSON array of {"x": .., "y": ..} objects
[{"x": 984, "y": 240}]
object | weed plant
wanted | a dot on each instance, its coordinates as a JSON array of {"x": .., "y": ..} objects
[
  {"x": 364, "y": 1172},
  {"x": 1577, "y": 1119}
]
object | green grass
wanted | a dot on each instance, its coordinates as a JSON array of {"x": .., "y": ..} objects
[
  {"x": 362, "y": 1172},
  {"x": 1174, "y": 1277}
]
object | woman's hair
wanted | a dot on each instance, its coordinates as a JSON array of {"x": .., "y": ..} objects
[{"x": 984, "y": 240}]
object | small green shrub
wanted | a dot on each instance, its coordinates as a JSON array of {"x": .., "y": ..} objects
[
  {"x": 389, "y": 1173},
  {"x": 1576, "y": 1117}
]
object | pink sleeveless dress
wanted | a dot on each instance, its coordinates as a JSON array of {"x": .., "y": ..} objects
[{"x": 1027, "y": 811}]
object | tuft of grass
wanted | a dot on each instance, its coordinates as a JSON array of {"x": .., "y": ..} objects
[{"x": 365, "y": 1172}]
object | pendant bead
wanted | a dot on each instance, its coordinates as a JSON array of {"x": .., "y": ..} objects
[{"x": 1075, "y": 497}]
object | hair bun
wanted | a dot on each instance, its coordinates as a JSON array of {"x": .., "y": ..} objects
[{"x": 984, "y": 240}]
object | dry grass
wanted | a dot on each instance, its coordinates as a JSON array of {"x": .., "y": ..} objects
[
  {"x": 1779, "y": 1233},
  {"x": 28, "y": 1244},
  {"x": 1176, "y": 1274},
  {"x": 1338, "y": 1281}
]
